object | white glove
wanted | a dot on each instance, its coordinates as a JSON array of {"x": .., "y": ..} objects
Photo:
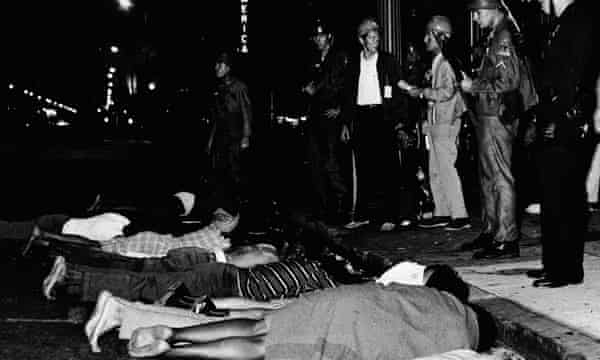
[{"x": 100, "y": 227}]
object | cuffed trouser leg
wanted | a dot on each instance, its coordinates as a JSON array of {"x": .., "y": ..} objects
[
  {"x": 445, "y": 182},
  {"x": 212, "y": 279},
  {"x": 176, "y": 260},
  {"x": 495, "y": 141}
]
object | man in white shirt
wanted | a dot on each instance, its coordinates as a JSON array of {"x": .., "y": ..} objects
[{"x": 373, "y": 114}]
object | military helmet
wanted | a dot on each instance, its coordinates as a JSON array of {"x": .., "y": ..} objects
[
  {"x": 320, "y": 29},
  {"x": 484, "y": 4},
  {"x": 440, "y": 24}
]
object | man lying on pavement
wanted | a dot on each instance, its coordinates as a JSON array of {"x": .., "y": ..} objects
[{"x": 366, "y": 321}]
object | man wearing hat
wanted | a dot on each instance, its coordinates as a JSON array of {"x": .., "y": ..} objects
[
  {"x": 445, "y": 107},
  {"x": 495, "y": 90},
  {"x": 325, "y": 89},
  {"x": 374, "y": 113}
]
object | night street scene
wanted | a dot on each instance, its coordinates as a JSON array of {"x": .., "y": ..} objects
[{"x": 300, "y": 180}]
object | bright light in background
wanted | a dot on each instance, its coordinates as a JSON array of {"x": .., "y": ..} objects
[
  {"x": 109, "y": 75},
  {"x": 151, "y": 85},
  {"x": 11, "y": 86},
  {"x": 114, "y": 49},
  {"x": 49, "y": 112},
  {"x": 130, "y": 121},
  {"x": 112, "y": 69},
  {"x": 125, "y": 4},
  {"x": 106, "y": 119},
  {"x": 110, "y": 84}
]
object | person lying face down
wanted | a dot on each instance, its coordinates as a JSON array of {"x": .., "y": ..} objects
[
  {"x": 363, "y": 321},
  {"x": 84, "y": 275}
]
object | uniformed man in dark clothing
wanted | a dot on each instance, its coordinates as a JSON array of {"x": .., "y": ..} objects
[
  {"x": 497, "y": 105},
  {"x": 324, "y": 88},
  {"x": 570, "y": 67},
  {"x": 230, "y": 132}
]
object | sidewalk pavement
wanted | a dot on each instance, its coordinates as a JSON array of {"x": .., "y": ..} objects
[{"x": 538, "y": 323}]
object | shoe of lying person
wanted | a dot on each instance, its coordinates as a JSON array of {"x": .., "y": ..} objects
[
  {"x": 149, "y": 341},
  {"x": 57, "y": 275},
  {"x": 179, "y": 296},
  {"x": 434, "y": 222},
  {"x": 104, "y": 318},
  {"x": 458, "y": 224}
]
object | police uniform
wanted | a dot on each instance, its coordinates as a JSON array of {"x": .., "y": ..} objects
[
  {"x": 232, "y": 114},
  {"x": 323, "y": 133},
  {"x": 570, "y": 68},
  {"x": 496, "y": 93}
]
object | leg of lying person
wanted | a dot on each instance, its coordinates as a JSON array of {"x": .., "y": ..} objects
[
  {"x": 86, "y": 282},
  {"x": 182, "y": 259},
  {"x": 114, "y": 312},
  {"x": 162, "y": 340}
]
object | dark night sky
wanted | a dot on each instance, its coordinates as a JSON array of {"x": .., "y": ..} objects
[
  {"x": 56, "y": 47},
  {"x": 59, "y": 48}
]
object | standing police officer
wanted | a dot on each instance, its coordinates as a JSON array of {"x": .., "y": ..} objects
[
  {"x": 497, "y": 105},
  {"x": 569, "y": 71},
  {"x": 324, "y": 126}
]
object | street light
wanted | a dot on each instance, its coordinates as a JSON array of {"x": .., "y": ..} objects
[{"x": 125, "y": 5}]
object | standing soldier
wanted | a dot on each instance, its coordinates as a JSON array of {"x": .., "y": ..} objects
[
  {"x": 324, "y": 125},
  {"x": 497, "y": 105},
  {"x": 569, "y": 70}
]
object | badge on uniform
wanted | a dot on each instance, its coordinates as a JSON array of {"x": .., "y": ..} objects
[{"x": 387, "y": 92}]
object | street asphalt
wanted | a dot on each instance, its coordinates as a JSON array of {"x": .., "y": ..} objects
[{"x": 539, "y": 324}]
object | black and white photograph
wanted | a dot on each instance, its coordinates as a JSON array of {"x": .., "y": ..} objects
[{"x": 301, "y": 180}]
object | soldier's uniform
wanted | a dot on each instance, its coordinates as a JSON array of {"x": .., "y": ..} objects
[{"x": 497, "y": 103}]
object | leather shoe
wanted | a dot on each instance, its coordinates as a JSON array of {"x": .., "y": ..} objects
[
  {"x": 499, "y": 251},
  {"x": 549, "y": 282},
  {"x": 482, "y": 241},
  {"x": 536, "y": 273}
]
